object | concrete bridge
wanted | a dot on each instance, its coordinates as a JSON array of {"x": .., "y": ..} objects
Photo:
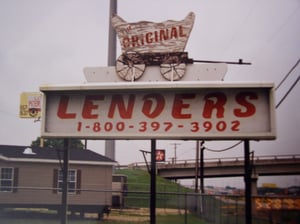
[
  {"x": 229, "y": 167},
  {"x": 232, "y": 167}
]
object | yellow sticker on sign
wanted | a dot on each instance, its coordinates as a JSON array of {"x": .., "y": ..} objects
[{"x": 30, "y": 105}]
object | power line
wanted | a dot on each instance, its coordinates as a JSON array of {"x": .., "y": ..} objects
[
  {"x": 287, "y": 75},
  {"x": 222, "y": 150},
  {"x": 287, "y": 93},
  {"x": 282, "y": 99}
]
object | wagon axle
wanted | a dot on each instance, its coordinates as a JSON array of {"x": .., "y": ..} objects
[{"x": 131, "y": 66}]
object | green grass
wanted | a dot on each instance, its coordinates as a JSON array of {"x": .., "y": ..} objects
[{"x": 139, "y": 181}]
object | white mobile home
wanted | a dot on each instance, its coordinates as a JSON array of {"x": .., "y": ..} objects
[{"x": 32, "y": 178}]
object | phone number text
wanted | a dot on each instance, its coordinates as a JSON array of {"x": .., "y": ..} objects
[{"x": 155, "y": 126}]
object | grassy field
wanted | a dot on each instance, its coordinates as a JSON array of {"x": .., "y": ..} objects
[{"x": 139, "y": 181}]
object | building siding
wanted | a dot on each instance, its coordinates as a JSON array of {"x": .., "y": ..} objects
[{"x": 35, "y": 183}]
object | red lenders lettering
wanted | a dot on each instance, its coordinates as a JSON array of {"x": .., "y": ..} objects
[
  {"x": 214, "y": 101},
  {"x": 62, "y": 108},
  {"x": 148, "y": 108},
  {"x": 118, "y": 101},
  {"x": 179, "y": 105},
  {"x": 250, "y": 109},
  {"x": 89, "y": 106},
  {"x": 153, "y": 105}
]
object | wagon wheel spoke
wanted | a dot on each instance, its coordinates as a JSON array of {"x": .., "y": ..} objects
[
  {"x": 127, "y": 69},
  {"x": 140, "y": 67},
  {"x": 173, "y": 72},
  {"x": 177, "y": 70}
]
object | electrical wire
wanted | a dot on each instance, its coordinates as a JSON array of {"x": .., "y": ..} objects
[
  {"x": 279, "y": 103},
  {"x": 287, "y": 93},
  {"x": 287, "y": 75},
  {"x": 276, "y": 32},
  {"x": 241, "y": 25},
  {"x": 283, "y": 98},
  {"x": 223, "y": 150}
]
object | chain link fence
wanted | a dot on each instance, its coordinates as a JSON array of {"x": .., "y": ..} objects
[{"x": 187, "y": 207}]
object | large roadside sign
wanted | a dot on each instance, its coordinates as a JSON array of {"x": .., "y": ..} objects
[{"x": 185, "y": 110}]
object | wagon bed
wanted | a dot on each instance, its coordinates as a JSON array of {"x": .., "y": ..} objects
[{"x": 145, "y": 36}]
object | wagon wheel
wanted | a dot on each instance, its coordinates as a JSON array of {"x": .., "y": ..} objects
[
  {"x": 130, "y": 66},
  {"x": 173, "y": 72}
]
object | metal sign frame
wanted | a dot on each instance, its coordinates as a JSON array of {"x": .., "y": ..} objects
[{"x": 265, "y": 99}]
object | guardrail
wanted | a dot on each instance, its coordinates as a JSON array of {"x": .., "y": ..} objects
[{"x": 219, "y": 160}]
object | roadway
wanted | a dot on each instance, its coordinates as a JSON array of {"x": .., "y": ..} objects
[
  {"x": 229, "y": 167},
  {"x": 232, "y": 167}
]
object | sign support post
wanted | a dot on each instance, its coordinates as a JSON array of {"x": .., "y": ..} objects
[
  {"x": 197, "y": 166},
  {"x": 248, "y": 193},
  {"x": 64, "y": 203},
  {"x": 153, "y": 183}
]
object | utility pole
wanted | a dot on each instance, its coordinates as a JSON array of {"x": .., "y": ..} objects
[
  {"x": 197, "y": 167},
  {"x": 110, "y": 144},
  {"x": 175, "y": 151}
]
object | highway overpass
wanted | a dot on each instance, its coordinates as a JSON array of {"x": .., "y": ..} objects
[{"x": 232, "y": 167}]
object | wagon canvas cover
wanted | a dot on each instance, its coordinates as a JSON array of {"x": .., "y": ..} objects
[{"x": 145, "y": 36}]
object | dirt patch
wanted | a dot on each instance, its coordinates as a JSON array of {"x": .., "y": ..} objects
[{"x": 139, "y": 214}]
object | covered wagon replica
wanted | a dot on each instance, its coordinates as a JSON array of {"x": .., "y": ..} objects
[
  {"x": 147, "y": 43},
  {"x": 155, "y": 52},
  {"x": 32, "y": 178}
]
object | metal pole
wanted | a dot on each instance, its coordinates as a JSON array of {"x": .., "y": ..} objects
[
  {"x": 110, "y": 144},
  {"x": 175, "y": 151},
  {"x": 153, "y": 183},
  {"x": 248, "y": 193},
  {"x": 185, "y": 209},
  {"x": 144, "y": 152},
  {"x": 202, "y": 168},
  {"x": 240, "y": 62},
  {"x": 64, "y": 200},
  {"x": 197, "y": 167},
  {"x": 112, "y": 39}
]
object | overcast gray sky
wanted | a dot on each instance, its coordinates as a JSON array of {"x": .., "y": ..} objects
[{"x": 45, "y": 41}]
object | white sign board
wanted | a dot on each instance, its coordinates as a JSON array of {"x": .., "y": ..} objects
[{"x": 159, "y": 111}]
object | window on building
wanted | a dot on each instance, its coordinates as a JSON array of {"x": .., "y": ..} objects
[
  {"x": 6, "y": 179},
  {"x": 72, "y": 180}
]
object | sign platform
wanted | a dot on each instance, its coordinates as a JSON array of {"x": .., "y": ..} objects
[{"x": 195, "y": 72}]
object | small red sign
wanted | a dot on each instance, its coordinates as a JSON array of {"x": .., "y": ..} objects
[{"x": 160, "y": 155}]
